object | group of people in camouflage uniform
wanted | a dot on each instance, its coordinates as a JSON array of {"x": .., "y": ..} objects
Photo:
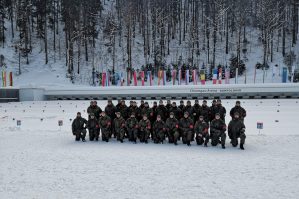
[{"x": 200, "y": 123}]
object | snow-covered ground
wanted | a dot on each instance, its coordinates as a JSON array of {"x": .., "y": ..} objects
[{"x": 41, "y": 160}]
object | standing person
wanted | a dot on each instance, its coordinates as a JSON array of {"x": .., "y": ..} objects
[
  {"x": 220, "y": 109},
  {"x": 176, "y": 111},
  {"x": 123, "y": 109},
  {"x": 213, "y": 110},
  {"x": 162, "y": 110},
  {"x": 105, "y": 125},
  {"x": 119, "y": 127},
  {"x": 217, "y": 131},
  {"x": 132, "y": 128},
  {"x": 118, "y": 104},
  {"x": 146, "y": 110},
  {"x": 205, "y": 111},
  {"x": 144, "y": 129},
  {"x": 168, "y": 105},
  {"x": 201, "y": 130},
  {"x": 141, "y": 104},
  {"x": 95, "y": 109},
  {"x": 182, "y": 106},
  {"x": 236, "y": 129},
  {"x": 93, "y": 126},
  {"x": 196, "y": 110},
  {"x": 186, "y": 127},
  {"x": 188, "y": 108},
  {"x": 238, "y": 109},
  {"x": 79, "y": 127},
  {"x": 159, "y": 130},
  {"x": 172, "y": 128},
  {"x": 110, "y": 110}
]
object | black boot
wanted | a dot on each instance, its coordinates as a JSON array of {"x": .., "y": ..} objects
[
  {"x": 121, "y": 141},
  {"x": 205, "y": 145},
  {"x": 223, "y": 146},
  {"x": 241, "y": 147},
  {"x": 188, "y": 143}
]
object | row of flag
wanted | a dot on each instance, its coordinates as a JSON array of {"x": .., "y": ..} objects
[
  {"x": 176, "y": 78},
  {"x": 6, "y": 76}
]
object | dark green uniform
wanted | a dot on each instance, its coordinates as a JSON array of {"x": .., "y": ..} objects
[
  {"x": 119, "y": 128},
  {"x": 96, "y": 110},
  {"x": 159, "y": 131},
  {"x": 144, "y": 130},
  {"x": 201, "y": 130},
  {"x": 172, "y": 128},
  {"x": 93, "y": 126},
  {"x": 105, "y": 125},
  {"x": 236, "y": 129},
  {"x": 186, "y": 127},
  {"x": 79, "y": 128},
  {"x": 132, "y": 128},
  {"x": 217, "y": 131}
]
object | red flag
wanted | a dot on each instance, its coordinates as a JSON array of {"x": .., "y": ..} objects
[
  {"x": 173, "y": 77},
  {"x": 103, "y": 79},
  {"x": 135, "y": 78},
  {"x": 10, "y": 79},
  {"x": 142, "y": 77}
]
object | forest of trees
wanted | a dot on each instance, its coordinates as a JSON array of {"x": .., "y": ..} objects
[{"x": 72, "y": 30}]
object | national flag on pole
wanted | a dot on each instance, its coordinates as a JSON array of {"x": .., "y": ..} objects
[
  {"x": 160, "y": 75},
  {"x": 227, "y": 75},
  {"x": 173, "y": 77},
  {"x": 121, "y": 78},
  {"x": 220, "y": 76},
  {"x": 107, "y": 79},
  {"x": 180, "y": 76},
  {"x": 10, "y": 79},
  {"x": 103, "y": 79},
  {"x": 4, "y": 78},
  {"x": 135, "y": 78},
  {"x": 215, "y": 73},
  {"x": 142, "y": 78},
  {"x": 194, "y": 76},
  {"x": 187, "y": 77},
  {"x": 236, "y": 77},
  {"x": 202, "y": 77},
  {"x": 164, "y": 77}
]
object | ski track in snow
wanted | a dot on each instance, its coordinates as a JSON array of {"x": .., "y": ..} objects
[{"x": 41, "y": 160}]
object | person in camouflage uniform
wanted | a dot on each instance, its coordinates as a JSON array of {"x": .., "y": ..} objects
[
  {"x": 159, "y": 130},
  {"x": 172, "y": 128},
  {"x": 123, "y": 109},
  {"x": 144, "y": 129},
  {"x": 146, "y": 110},
  {"x": 181, "y": 106},
  {"x": 141, "y": 104},
  {"x": 93, "y": 126},
  {"x": 79, "y": 127},
  {"x": 95, "y": 109},
  {"x": 119, "y": 127},
  {"x": 201, "y": 130},
  {"x": 176, "y": 111},
  {"x": 196, "y": 111},
  {"x": 132, "y": 128},
  {"x": 162, "y": 110},
  {"x": 205, "y": 111},
  {"x": 238, "y": 109},
  {"x": 236, "y": 129},
  {"x": 213, "y": 110},
  {"x": 110, "y": 110},
  {"x": 217, "y": 131},
  {"x": 186, "y": 127},
  {"x": 220, "y": 109},
  {"x": 188, "y": 108},
  {"x": 105, "y": 125}
]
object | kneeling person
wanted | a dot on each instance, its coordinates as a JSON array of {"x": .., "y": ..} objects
[
  {"x": 132, "y": 128},
  {"x": 201, "y": 129},
  {"x": 79, "y": 127},
  {"x": 144, "y": 127},
  {"x": 159, "y": 130},
  {"x": 105, "y": 125},
  {"x": 93, "y": 127},
  {"x": 119, "y": 127},
  {"x": 236, "y": 129},
  {"x": 218, "y": 129},
  {"x": 172, "y": 125}
]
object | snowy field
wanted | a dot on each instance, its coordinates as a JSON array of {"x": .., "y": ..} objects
[{"x": 39, "y": 159}]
